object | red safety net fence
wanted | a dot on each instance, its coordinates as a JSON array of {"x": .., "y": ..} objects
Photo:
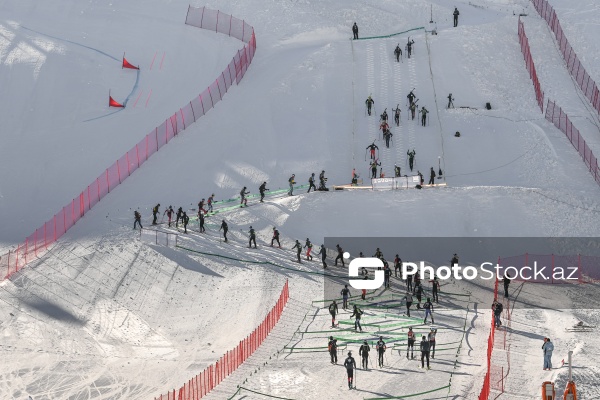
[
  {"x": 485, "y": 389},
  {"x": 578, "y": 72},
  {"x": 561, "y": 120},
  {"x": 114, "y": 175},
  {"x": 207, "y": 380},
  {"x": 539, "y": 95}
]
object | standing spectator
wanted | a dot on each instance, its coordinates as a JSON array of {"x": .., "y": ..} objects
[
  {"x": 428, "y": 306},
  {"x": 381, "y": 348},
  {"x": 431, "y": 176},
  {"x": 424, "y": 346},
  {"x": 332, "y": 347},
  {"x": 548, "y": 348},
  {"x": 455, "y": 14},
  {"x": 431, "y": 337},
  {"x": 345, "y": 294},
  {"x": 355, "y": 31},
  {"x": 411, "y": 343}
]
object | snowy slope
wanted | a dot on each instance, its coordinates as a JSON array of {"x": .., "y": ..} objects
[{"x": 103, "y": 315}]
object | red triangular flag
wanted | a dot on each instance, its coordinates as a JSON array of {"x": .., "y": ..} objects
[
  {"x": 127, "y": 64},
  {"x": 113, "y": 103}
]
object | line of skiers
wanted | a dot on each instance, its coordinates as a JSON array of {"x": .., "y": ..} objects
[{"x": 426, "y": 347}]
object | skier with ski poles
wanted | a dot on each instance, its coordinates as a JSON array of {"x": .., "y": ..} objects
[
  {"x": 169, "y": 211},
  {"x": 333, "y": 310},
  {"x": 411, "y": 158},
  {"x": 398, "y": 52},
  {"x": 275, "y": 237},
  {"x": 210, "y": 202},
  {"x": 311, "y": 182},
  {"x": 340, "y": 255},
  {"x": 424, "y": 347},
  {"x": 369, "y": 102},
  {"x": 450, "y": 101},
  {"x": 397, "y": 115},
  {"x": 424, "y": 113},
  {"x": 332, "y": 348},
  {"x": 225, "y": 228},
  {"x": 435, "y": 288},
  {"x": 364, "y": 352},
  {"x": 411, "y": 343},
  {"x": 252, "y": 238},
  {"x": 428, "y": 306},
  {"x": 178, "y": 217},
  {"x": 292, "y": 182},
  {"x": 262, "y": 189},
  {"x": 308, "y": 246},
  {"x": 186, "y": 220},
  {"x": 138, "y": 219},
  {"x": 350, "y": 365},
  {"x": 322, "y": 181},
  {"x": 413, "y": 110},
  {"x": 384, "y": 116},
  {"x": 397, "y": 173},
  {"x": 418, "y": 292},
  {"x": 243, "y": 199},
  {"x": 397, "y": 265},
  {"x": 298, "y": 246},
  {"x": 374, "y": 166},
  {"x": 387, "y": 135},
  {"x": 201, "y": 221},
  {"x": 409, "y": 45},
  {"x": 431, "y": 176},
  {"x": 155, "y": 212},
  {"x": 411, "y": 97},
  {"x": 381, "y": 348},
  {"x": 345, "y": 292},
  {"x": 201, "y": 206},
  {"x": 357, "y": 314},
  {"x": 431, "y": 337},
  {"x": 323, "y": 253},
  {"x": 372, "y": 147}
]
